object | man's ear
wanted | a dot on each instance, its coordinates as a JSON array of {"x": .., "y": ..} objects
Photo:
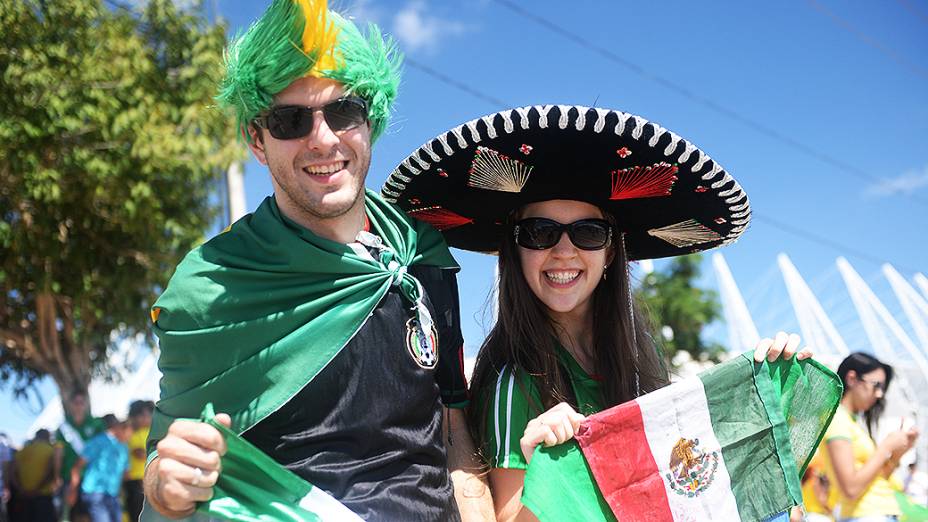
[{"x": 256, "y": 143}]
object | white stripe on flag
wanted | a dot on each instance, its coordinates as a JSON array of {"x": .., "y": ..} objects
[
  {"x": 688, "y": 418},
  {"x": 321, "y": 503}
]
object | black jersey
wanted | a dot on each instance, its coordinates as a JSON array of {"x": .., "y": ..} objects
[{"x": 368, "y": 428}]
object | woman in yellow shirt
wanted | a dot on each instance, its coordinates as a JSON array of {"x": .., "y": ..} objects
[{"x": 858, "y": 466}]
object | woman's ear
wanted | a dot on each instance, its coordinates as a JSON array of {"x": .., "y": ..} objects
[{"x": 851, "y": 374}]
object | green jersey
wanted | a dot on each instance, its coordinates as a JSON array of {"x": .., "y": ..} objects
[
  {"x": 72, "y": 437},
  {"x": 513, "y": 400}
]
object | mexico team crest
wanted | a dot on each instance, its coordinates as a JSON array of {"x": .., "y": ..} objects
[
  {"x": 691, "y": 469},
  {"x": 422, "y": 346}
]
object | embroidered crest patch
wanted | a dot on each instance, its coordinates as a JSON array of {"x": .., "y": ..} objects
[
  {"x": 691, "y": 469},
  {"x": 422, "y": 346}
]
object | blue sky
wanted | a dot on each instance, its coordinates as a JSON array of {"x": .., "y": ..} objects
[{"x": 818, "y": 108}]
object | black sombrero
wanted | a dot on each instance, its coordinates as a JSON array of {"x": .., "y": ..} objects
[{"x": 669, "y": 197}]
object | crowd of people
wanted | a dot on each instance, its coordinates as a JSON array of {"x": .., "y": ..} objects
[{"x": 89, "y": 470}]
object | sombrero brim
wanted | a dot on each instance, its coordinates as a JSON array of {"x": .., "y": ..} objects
[{"x": 668, "y": 196}]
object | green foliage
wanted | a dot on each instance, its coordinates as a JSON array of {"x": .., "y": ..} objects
[
  {"x": 673, "y": 300},
  {"x": 110, "y": 146}
]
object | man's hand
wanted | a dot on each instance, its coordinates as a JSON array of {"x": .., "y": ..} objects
[{"x": 187, "y": 467}]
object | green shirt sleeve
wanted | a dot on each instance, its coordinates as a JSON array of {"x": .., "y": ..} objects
[{"x": 508, "y": 411}]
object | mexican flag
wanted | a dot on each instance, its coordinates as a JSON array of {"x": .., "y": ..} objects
[
  {"x": 728, "y": 444},
  {"x": 254, "y": 488}
]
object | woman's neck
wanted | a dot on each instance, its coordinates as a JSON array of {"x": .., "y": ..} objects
[
  {"x": 575, "y": 333},
  {"x": 848, "y": 403}
]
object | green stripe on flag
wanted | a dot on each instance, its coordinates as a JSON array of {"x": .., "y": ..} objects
[
  {"x": 771, "y": 398},
  {"x": 743, "y": 428},
  {"x": 560, "y": 486},
  {"x": 809, "y": 394},
  {"x": 254, "y": 487}
]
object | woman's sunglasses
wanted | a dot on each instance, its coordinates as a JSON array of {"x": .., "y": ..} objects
[
  {"x": 543, "y": 233},
  {"x": 289, "y": 122}
]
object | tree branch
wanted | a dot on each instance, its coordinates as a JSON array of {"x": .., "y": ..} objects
[
  {"x": 24, "y": 348},
  {"x": 49, "y": 340}
]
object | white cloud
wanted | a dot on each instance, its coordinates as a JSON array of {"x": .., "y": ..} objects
[
  {"x": 417, "y": 30},
  {"x": 907, "y": 183},
  {"x": 362, "y": 11}
]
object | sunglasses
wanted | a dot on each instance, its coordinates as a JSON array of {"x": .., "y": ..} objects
[
  {"x": 289, "y": 122},
  {"x": 876, "y": 385},
  {"x": 543, "y": 233}
]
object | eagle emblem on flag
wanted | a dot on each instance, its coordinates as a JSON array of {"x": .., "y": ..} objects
[{"x": 691, "y": 469}]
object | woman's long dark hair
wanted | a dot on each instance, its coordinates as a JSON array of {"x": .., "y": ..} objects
[
  {"x": 863, "y": 363},
  {"x": 525, "y": 337}
]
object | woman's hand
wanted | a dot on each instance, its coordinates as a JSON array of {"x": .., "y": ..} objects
[
  {"x": 552, "y": 427},
  {"x": 783, "y": 345},
  {"x": 900, "y": 441}
]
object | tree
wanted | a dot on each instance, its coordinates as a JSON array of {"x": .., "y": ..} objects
[
  {"x": 679, "y": 310},
  {"x": 110, "y": 148}
]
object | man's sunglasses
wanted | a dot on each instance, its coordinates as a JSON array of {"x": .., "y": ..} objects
[
  {"x": 543, "y": 233},
  {"x": 289, "y": 122}
]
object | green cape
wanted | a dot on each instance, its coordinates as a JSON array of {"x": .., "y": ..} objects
[{"x": 253, "y": 315}]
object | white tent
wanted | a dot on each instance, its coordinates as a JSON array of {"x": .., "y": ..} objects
[{"x": 138, "y": 382}]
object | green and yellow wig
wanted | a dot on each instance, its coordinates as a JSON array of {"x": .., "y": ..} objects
[{"x": 298, "y": 38}]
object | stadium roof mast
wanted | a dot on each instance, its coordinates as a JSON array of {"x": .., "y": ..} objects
[
  {"x": 922, "y": 283},
  {"x": 817, "y": 329},
  {"x": 874, "y": 316},
  {"x": 742, "y": 334},
  {"x": 913, "y": 304}
]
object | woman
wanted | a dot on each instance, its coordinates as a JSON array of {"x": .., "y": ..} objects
[
  {"x": 858, "y": 466},
  {"x": 567, "y": 196}
]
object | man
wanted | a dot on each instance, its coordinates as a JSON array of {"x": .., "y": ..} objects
[
  {"x": 104, "y": 461},
  {"x": 326, "y": 323},
  {"x": 78, "y": 427},
  {"x": 35, "y": 474},
  {"x": 140, "y": 420}
]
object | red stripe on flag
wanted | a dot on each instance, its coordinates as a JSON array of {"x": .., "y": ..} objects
[{"x": 617, "y": 450}]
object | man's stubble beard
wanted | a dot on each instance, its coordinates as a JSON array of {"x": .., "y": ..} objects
[{"x": 303, "y": 199}]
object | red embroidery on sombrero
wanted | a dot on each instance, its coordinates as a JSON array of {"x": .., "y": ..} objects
[
  {"x": 442, "y": 173},
  {"x": 720, "y": 220},
  {"x": 700, "y": 189},
  {"x": 440, "y": 218},
  {"x": 644, "y": 182},
  {"x": 624, "y": 152},
  {"x": 525, "y": 149}
]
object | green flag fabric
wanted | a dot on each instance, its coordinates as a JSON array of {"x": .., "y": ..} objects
[
  {"x": 729, "y": 444},
  {"x": 253, "y": 487},
  {"x": 253, "y": 315},
  {"x": 911, "y": 512}
]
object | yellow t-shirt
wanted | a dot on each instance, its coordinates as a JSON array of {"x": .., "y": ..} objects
[
  {"x": 809, "y": 498},
  {"x": 136, "y": 463},
  {"x": 879, "y": 498},
  {"x": 32, "y": 463}
]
